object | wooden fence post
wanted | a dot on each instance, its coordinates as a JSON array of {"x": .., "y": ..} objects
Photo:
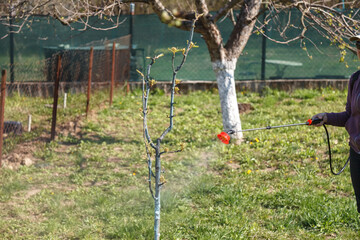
[
  {"x": 2, "y": 111},
  {"x": 112, "y": 75},
  {"x": 56, "y": 97},
  {"x": 89, "y": 80}
]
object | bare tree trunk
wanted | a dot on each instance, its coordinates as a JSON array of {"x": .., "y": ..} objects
[{"x": 224, "y": 71}]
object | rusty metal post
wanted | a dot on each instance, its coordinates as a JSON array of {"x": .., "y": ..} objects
[
  {"x": 2, "y": 111},
  {"x": 112, "y": 75},
  {"x": 89, "y": 80},
  {"x": 56, "y": 97}
]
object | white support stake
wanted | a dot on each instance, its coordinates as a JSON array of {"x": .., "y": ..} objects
[
  {"x": 65, "y": 98},
  {"x": 29, "y": 123}
]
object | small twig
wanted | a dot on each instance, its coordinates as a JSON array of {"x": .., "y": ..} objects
[{"x": 171, "y": 151}]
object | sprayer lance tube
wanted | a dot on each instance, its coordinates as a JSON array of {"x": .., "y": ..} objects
[
  {"x": 308, "y": 122},
  {"x": 266, "y": 128}
]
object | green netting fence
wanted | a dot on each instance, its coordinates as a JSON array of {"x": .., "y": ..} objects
[{"x": 150, "y": 37}]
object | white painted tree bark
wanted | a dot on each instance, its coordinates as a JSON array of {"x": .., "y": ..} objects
[{"x": 224, "y": 71}]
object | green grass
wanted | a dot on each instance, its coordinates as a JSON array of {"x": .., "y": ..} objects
[{"x": 93, "y": 185}]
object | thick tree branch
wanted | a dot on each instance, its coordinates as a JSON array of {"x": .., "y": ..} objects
[
  {"x": 202, "y": 8},
  {"x": 243, "y": 28},
  {"x": 223, "y": 11}
]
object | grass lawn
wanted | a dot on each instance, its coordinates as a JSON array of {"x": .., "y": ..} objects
[{"x": 92, "y": 184}]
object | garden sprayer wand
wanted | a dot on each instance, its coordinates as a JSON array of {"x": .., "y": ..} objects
[{"x": 225, "y": 138}]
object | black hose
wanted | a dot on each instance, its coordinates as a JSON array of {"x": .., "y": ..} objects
[{"x": 330, "y": 160}]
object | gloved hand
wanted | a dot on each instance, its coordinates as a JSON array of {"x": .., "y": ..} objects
[{"x": 322, "y": 116}]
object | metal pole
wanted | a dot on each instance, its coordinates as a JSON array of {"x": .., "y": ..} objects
[
  {"x": 270, "y": 127},
  {"x": 112, "y": 75},
  {"x": 132, "y": 12},
  {"x": 56, "y": 97},
  {"x": 11, "y": 49},
  {"x": 89, "y": 80},
  {"x": 133, "y": 75},
  {"x": 2, "y": 112},
  {"x": 263, "y": 53}
]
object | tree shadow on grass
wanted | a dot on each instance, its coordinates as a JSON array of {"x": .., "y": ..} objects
[{"x": 100, "y": 139}]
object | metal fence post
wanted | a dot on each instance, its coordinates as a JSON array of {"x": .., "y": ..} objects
[
  {"x": 11, "y": 49},
  {"x": 263, "y": 53},
  {"x": 89, "y": 80},
  {"x": 2, "y": 111},
  {"x": 56, "y": 97},
  {"x": 112, "y": 75},
  {"x": 133, "y": 74}
]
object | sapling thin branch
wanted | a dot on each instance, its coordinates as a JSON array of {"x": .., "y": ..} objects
[
  {"x": 176, "y": 151},
  {"x": 175, "y": 71},
  {"x": 145, "y": 98},
  {"x": 151, "y": 174}
]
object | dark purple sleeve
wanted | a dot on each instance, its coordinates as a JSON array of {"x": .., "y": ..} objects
[{"x": 339, "y": 119}]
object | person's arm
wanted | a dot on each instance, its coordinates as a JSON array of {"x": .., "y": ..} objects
[{"x": 337, "y": 119}]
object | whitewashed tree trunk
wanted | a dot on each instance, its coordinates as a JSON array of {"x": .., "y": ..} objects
[{"x": 224, "y": 71}]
